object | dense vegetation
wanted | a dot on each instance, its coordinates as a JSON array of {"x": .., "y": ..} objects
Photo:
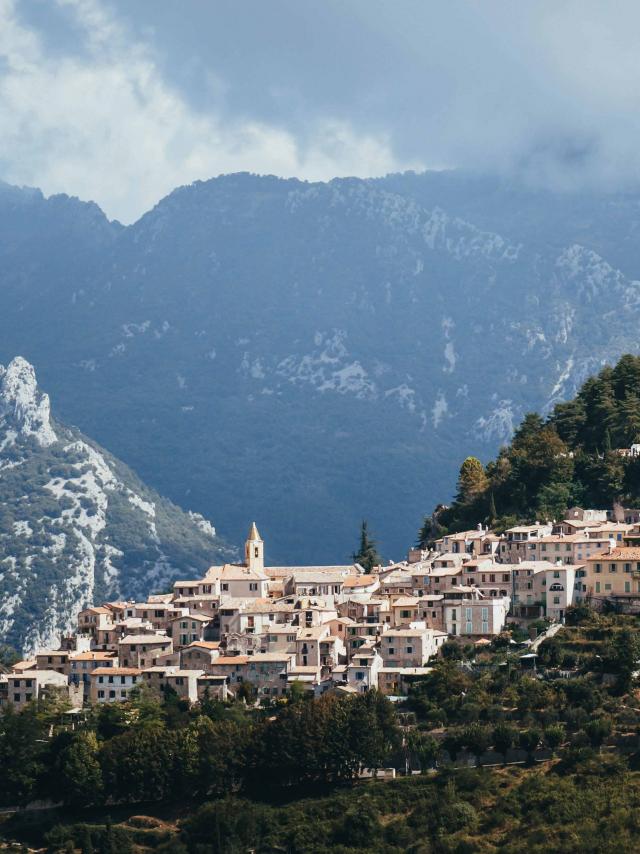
[
  {"x": 567, "y": 459},
  {"x": 156, "y": 775}
]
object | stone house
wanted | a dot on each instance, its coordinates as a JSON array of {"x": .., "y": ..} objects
[
  {"x": 140, "y": 651},
  {"x": 113, "y": 684}
]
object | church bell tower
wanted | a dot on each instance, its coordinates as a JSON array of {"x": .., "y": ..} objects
[{"x": 254, "y": 550}]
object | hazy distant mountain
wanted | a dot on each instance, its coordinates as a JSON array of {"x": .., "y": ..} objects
[
  {"x": 76, "y": 525},
  {"x": 310, "y": 354}
]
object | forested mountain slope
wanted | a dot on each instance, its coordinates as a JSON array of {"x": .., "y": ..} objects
[{"x": 577, "y": 455}]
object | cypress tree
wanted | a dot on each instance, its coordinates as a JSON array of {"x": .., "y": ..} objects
[{"x": 367, "y": 555}]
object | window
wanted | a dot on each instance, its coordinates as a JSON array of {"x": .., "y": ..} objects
[
  {"x": 556, "y": 600},
  {"x": 556, "y": 574},
  {"x": 16, "y": 698},
  {"x": 101, "y": 695},
  {"x": 627, "y": 567},
  {"x": 409, "y": 650},
  {"x": 468, "y": 613},
  {"x": 598, "y": 567},
  {"x": 253, "y": 585},
  {"x": 224, "y": 586},
  {"x": 597, "y": 586},
  {"x": 485, "y": 613},
  {"x": 469, "y": 628},
  {"x": 359, "y": 675},
  {"x": 627, "y": 587},
  {"x": 607, "y": 587},
  {"x": 391, "y": 650},
  {"x": 485, "y": 627},
  {"x": 613, "y": 567}
]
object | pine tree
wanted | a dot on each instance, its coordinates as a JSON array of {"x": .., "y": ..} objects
[
  {"x": 367, "y": 555},
  {"x": 628, "y": 418},
  {"x": 424, "y": 534},
  {"x": 472, "y": 480}
]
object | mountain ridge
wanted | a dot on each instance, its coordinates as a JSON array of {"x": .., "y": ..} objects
[
  {"x": 272, "y": 323},
  {"x": 76, "y": 524}
]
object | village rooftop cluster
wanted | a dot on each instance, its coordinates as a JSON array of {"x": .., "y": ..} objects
[{"x": 252, "y": 630}]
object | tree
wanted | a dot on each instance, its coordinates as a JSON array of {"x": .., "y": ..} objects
[
  {"x": 425, "y": 533},
  {"x": 213, "y": 756},
  {"x": 554, "y": 736},
  {"x": 628, "y": 419},
  {"x": 472, "y": 481},
  {"x": 367, "y": 555},
  {"x": 477, "y": 739},
  {"x": 425, "y": 747},
  {"x": 22, "y": 755},
  {"x": 529, "y": 739},
  {"x": 78, "y": 775},
  {"x": 553, "y": 500},
  {"x": 598, "y": 729},
  {"x": 297, "y": 692},
  {"x": 453, "y": 742},
  {"x": 493, "y": 513},
  {"x": 140, "y": 764},
  {"x": 626, "y": 651},
  {"x": 503, "y": 738}
]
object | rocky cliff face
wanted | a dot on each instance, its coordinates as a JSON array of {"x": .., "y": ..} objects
[
  {"x": 76, "y": 525},
  {"x": 311, "y": 354}
]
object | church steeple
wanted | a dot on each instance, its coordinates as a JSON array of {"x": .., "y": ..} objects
[{"x": 254, "y": 549}]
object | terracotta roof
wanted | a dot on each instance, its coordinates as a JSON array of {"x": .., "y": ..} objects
[
  {"x": 27, "y": 664},
  {"x": 406, "y": 601},
  {"x": 205, "y": 644},
  {"x": 624, "y": 553},
  {"x": 360, "y": 581},
  {"x": 231, "y": 659}
]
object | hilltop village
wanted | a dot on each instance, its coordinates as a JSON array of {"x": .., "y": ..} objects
[{"x": 251, "y": 631}]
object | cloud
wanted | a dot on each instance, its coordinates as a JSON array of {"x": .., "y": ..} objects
[
  {"x": 121, "y": 102},
  {"x": 102, "y": 122}
]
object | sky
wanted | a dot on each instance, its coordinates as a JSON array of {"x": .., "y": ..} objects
[{"x": 120, "y": 101}]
